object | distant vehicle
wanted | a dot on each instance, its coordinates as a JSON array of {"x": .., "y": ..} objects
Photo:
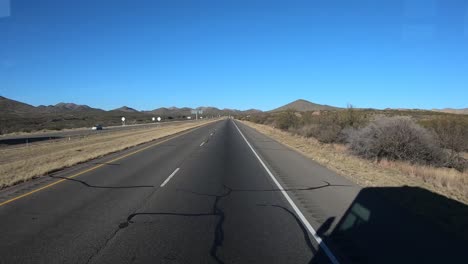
[{"x": 97, "y": 127}]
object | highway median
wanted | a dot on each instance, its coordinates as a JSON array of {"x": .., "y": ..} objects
[{"x": 27, "y": 162}]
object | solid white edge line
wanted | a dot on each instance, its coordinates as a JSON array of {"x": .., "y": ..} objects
[
  {"x": 169, "y": 178},
  {"x": 203, "y": 143},
  {"x": 301, "y": 216}
]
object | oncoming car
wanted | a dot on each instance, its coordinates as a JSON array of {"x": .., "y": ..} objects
[{"x": 97, "y": 127}]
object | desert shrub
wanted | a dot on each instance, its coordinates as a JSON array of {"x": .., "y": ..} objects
[
  {"x": 457, "y": 162},
  {"x": 306, "y": 130},
  {"x": 451, "y": 132},
  {"x": 258, "y": 118},
  {"x": 324, "y": 126},
  {"x": 323, "y": 132},
  {"x": 327, "y": 126},
  {"x": 328, "y": 133},
  {"x": 395, "y": 138},
  {"x": 286, "y": 120},
  {"x": 351, "y": 118}
]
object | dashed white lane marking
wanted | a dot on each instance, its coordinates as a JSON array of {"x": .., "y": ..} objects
[
  {"x": 203, "y": 143},
  {"x": 301, "y": 216},
  {"x": 169, "y": 178}
]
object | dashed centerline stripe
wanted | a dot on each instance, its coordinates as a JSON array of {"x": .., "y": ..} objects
[
  {"x": 170, "y": 177},
  {"x": 203, "y": 143}
]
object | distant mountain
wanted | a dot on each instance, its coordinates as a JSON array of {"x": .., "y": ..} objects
[
  {"x": 172, "y": 111},
  {"x": 126, "y": 109},
  {"x": 9, "y": 106},
  {"x": 207, "y": 111},
  {"x": 72, "y": 107},
  {"x": 17, "y": 116},
  {"x": 462, "y": 111},
  {"x": 252, "y": 111},
  {"x": 304, "y": 105},
  {"x": 213, "y": 111},
  {"x": 64, "y": 108}
]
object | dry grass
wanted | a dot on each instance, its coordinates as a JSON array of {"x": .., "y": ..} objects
[
  {"x": 21, "y": 164},
  {"x": 448, "y": 182}
]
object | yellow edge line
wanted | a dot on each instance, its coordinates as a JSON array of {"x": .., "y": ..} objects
[{"x": 96, "y": 167}]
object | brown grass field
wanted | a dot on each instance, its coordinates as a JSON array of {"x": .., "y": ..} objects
[{"x": 22, "y": 164}]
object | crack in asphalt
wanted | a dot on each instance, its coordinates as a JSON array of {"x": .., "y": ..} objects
[
  {"x": 103, "y": 245},
  {"x": 129, "y": 219},
  {"x": 301, "y": 226},
  {"x": 216, "y": 211},
  {"x": 101, "y": 187},
  {"x": 219, "y": 231},
  {"x": 327, "y": 184},
  {"x": 121, "y": 225}
]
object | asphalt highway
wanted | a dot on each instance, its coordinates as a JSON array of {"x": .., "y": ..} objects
[{"x": 221, "y": 193}]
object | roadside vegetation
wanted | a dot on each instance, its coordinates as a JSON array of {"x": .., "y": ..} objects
[
  {"x": 13, "y": 123},
  {"x": 380, "y": 148},
  {"x": 24, "y": 163}
]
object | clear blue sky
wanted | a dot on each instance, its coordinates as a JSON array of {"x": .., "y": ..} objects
[{"x": 235, "y": 54}]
